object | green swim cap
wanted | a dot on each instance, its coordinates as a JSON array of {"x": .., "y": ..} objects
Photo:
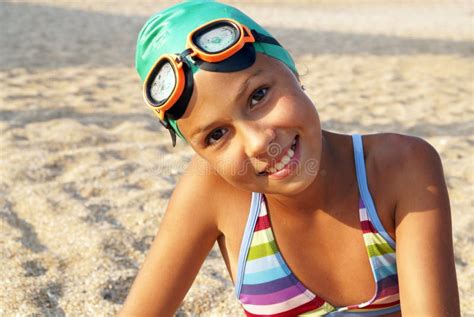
[{"x": 166, "y": 33}]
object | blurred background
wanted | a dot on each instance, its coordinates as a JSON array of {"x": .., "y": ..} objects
[{"x": 86, "y": 170}]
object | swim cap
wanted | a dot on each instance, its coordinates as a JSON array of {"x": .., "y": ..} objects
[{"x": 166, "y": 33}]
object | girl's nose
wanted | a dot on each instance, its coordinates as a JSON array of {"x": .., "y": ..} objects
[{"x": 256, "y": 140}]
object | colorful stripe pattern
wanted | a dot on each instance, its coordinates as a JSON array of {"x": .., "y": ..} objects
[{"x": 267, "y": 287}]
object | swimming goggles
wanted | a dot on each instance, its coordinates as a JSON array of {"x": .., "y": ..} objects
[{"x": 218, "y": 46}]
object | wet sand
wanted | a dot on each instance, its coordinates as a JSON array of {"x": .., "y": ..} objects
[{"x": 86, "y": 171}]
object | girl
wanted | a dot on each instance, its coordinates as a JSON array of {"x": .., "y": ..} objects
[{"x": 309, "y": 222}]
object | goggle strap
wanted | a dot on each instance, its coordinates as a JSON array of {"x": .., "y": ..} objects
[
  {"x": 259, "y": 37},
  {"x": 165, "y": 124},
  {"x": 184, "y": 53},
  {"x": 168, "y": 127},
  {"x": 246, "y": 33},
  {"x": 240, "y": 60},
  {"x": 173, "y": 136}
]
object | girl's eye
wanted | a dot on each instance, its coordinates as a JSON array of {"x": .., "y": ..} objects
[
  {"x": 258, "y": 95},
  {"x": 215, "y": 135}
]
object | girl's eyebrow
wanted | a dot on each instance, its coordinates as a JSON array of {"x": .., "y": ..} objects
[
  {"x": 199, "y": 130},
  {"x": 240, "y": 91},
  {"x": 243, "y": 87}
]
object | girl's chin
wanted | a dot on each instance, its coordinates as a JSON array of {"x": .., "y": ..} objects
[{"x": 296, "y": 186}]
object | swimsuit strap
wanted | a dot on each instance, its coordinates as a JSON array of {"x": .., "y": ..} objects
[
  {"x": 364, "y": 188},
  {"x": 247, "y": 239},
  {"x": 380, "y": 246}
]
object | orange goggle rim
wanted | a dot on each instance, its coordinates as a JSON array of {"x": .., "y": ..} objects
[
  {"x": 178, "y": 88},
  {"x": 245, "y": 36}
]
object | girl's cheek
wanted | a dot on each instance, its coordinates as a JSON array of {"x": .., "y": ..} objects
[
  {"x": 296, "y": 108},
  {"x": 230, "y": 165}
]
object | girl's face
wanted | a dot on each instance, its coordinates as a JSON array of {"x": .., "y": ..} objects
[{"x": 256, "y": 127}]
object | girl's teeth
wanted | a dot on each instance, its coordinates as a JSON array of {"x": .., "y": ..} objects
[{"x": 285, "y": 159}]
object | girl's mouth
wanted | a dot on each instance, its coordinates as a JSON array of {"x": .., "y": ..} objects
[{"x": 287, "y": 163}]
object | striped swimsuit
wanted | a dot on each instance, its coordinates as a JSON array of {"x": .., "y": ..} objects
[{"x": 267, "y": 287}]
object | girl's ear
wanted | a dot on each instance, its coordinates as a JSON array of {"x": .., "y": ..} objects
[{"x": 299, "y": 81}]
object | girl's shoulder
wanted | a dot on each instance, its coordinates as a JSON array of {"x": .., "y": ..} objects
[
  {"x": 396, "y": 155},
  {"x": 397, "y": 163},
  {"x": 392, "y": 146},
  {"x": 410, "y": 168},
  {"x": 398, "y": 170},
  {"x": 390, "y": 158}
]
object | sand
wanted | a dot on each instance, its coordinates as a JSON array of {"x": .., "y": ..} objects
[{"x": 86, "y": 171}]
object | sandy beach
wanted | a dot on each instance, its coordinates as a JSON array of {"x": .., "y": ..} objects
[{"x": 86, "y": 170}]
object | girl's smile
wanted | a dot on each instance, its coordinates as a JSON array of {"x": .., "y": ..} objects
[{"x": 286, "y": 164}]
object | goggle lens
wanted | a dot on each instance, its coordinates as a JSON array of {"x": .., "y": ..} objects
[
  {"x": 217, "y": 39},
  {"x": 163, "y": 84}
]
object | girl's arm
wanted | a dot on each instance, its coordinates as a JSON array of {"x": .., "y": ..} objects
[
  {"x": 186, "y": 235},
  {"x": 425, "y": 260}
]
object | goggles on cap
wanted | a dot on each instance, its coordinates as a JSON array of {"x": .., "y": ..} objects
[{"x": 169, "y": 84}]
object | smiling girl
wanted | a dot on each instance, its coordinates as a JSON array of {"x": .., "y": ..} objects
[{"x": 309, "y": 222}]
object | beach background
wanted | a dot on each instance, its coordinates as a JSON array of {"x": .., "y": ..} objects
[{"x": 86, "y": 170}]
